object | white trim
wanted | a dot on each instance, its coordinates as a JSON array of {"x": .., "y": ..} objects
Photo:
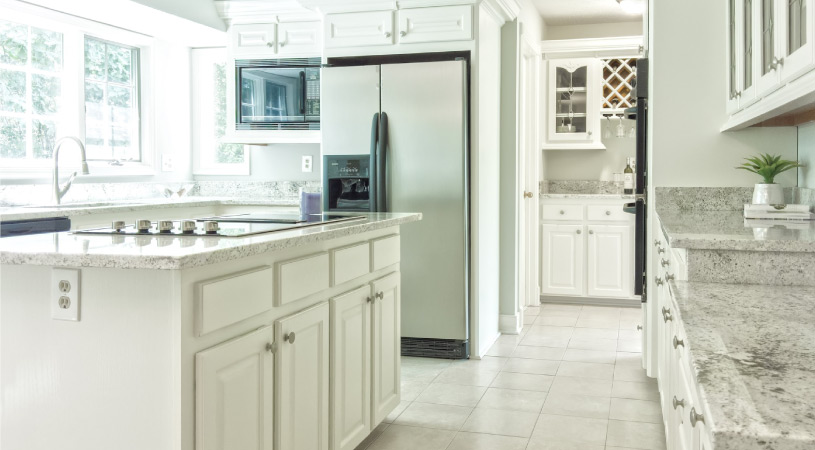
[
  {"x": 594, "y": 301},
  {"x": 611, "y": 46},
  {"x": 510, "y": 323},
  {"x": 479, "y": 354},
  {"x": 264, "y": 12},
  {"x": 798, "y": 94}
]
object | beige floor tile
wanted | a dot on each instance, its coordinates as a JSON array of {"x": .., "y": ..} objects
[
  {"x": 551, "y": 331},
  {"x": 629, "y": 359},
  {"x": 631, "y": 389},
  {"x": 581, "y": 386},
  {"x": 590, "y": 356},
  {"x": 591, "y": 309},
  {"x": 529, "y": 319},
  {"x": 526, "y": 401},
  {"x": 608, "y": 345},
  {"x": 631, "y": 313},
  {"x": 412, "y": 389},
  {"x": 429, "y": 415},
  {"x": 532, "y": 352},
  {"x": 573, "y": 313},
  {"x": 545, "y": 341},
  {"x": 639, "y": 435},
  {"x": 536, "y": 366},
  {"x": 500, "y": 349},
  {"x": 595, "y": 333},
  {"x": 555, "y": 321},
  {"x": 509, "y": 339},
  {"x": 396, "y": 437},
  {"x": 467, "y": 376},
  {"x": 629, "y": 345},
  {"x": 523, "y": 381},
  {"x": 609, "y": 323},
  {"x": 499, "y": 421},
  {"x": 560, "y": 445},
  {"x": 576, "y": 405},
  {"x": 375, "y": 433},
  {"x": 569, "y": 429},
  {"x": 635, "y": 410},
  {"x": 413, "y": 361},
  {"x": 586, "y": 370},
  {"x": 400, "y": 408},
  {"x": 532, "y": 310},
  {"x": 630, "y": 373},
  {"x": 490, "y": 363},
  {"x": 561, "y": 307},
  {"x": 480, "y": 441},
  {"x": 630, "y": 334},
  {"x": 452, "y": 394},
  {"x": 421, "y": 374},
  {"x": 630, "y": 324}
]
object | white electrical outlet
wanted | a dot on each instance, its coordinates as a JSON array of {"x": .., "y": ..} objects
[
  {"x": 307, "y": 164},
  {"x": 166, "y": 162},
  {"x": 64, "y": 294}
]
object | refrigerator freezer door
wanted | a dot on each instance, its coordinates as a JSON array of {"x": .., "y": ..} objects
[
  {"x": 427, "y": 172},
  {"x": 350, "y": 98}
]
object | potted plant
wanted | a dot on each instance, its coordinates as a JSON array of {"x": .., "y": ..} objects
[{"x": 768, "y": 166}]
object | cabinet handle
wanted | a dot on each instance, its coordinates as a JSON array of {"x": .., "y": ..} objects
[
  {"x": 695, "y": 417},
  {"x": 665, "y": 262},
  {"x": 677, "y": 403},
  {"x": 579, "y": 231},
  {"x": 387, "y": 34},
  {"x": 660, "y": 250},
  {"x": 669, "y": 277},
  {"x": 678, "y": 342},
  {"x": 658, "y": 281},
  {"x": 270, "y": 44},
  {"x": 289, "y": 337},
  {"x": 639, "y": 327},
  {"x": 270, "y": 347},
  {"x": 370, "y": 299},
  {"x": 380, "y": 295},
  {"x": 403, "y": 33}
]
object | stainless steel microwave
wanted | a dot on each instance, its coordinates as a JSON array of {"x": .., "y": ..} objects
[{"x": 277, "y": 94}]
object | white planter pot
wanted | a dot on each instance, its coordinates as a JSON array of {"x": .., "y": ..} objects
[{"x": 768, "y": 194}]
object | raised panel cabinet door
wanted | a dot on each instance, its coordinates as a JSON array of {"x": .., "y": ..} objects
[
  {"x": 563, "y": 258},
  {"x": 436, "y": 24},
  {"x": 573, "y": 106},
  {"x": 386, "y": 346},
  {"x": 681, "y": 408},
  {"x": 301, "y": 381},
  {"x": 609, "y": 261},
  {"x": 252, "y": 40},
  {"x": 299, "y": 38},
  {"x": 234, "y": 394},
  {"x": 351, "y": 368},
  {"x": 358, "y": 29}
]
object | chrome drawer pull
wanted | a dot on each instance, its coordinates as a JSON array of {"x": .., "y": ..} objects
[
  {"x": 677, "y": 403},
  {"x": 695, "y": 417},
  {"x": 289, "y": 337},
  {"x": 678, "y": 342}
]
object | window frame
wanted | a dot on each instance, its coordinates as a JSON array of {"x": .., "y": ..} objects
[{"x": 72, "y": 115}]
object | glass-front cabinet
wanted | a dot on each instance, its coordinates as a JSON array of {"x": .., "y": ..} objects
[{"x": 573, "y": 118}]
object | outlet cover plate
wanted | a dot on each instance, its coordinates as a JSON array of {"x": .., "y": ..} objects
[
  {"x": 307, "y": 167},
  {"x": 64, "y": 294}
]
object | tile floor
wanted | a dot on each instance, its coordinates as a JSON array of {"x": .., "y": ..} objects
[{"x": 571, "y": 381}]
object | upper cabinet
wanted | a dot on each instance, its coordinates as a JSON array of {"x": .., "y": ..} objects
[
  {"x": 358, "y": 29},
  {"x": 275, "y": 40},
  {"x": 769, "y": 46}
]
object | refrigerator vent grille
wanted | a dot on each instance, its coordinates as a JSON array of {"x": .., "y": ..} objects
[{"x": 435, "y": 348}]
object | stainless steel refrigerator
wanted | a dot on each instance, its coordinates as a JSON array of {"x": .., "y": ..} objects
[{"x": 411, "y": 120}]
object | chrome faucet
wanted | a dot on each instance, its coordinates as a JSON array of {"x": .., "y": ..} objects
[{"x": 60, "y": 191}]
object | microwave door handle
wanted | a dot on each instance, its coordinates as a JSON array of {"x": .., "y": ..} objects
[
  {"x": 303, "y": 97},
  {"x": 372, "y": 194}
]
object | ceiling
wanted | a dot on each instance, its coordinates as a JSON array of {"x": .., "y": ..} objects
[{"x": 582, "y": 12}]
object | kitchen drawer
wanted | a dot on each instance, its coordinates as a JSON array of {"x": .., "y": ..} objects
[
  {"x": 608, "y": 213},
  {"x": 301, "y": 277},
  {"x": 350, "y": 262},
  {"x": 385, "y": 252},
  {"x": 562, "y": 212},
  {"x": 229, "y": 299}
]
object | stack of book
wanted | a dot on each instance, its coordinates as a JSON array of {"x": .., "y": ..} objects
[{"x": 778, "y": 212}]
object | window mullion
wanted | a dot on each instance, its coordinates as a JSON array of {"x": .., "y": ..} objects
[{"x": 29, "y": 100}]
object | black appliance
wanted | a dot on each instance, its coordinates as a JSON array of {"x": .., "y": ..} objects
[
  {"x": 348, "y": 183},
  {"x": 640, "y": 114},
  {"x": 10, "y": 228},
  {"x": 277, "y": 94}
]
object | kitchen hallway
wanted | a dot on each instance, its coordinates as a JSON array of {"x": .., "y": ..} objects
[{"x": 571, "y": 381}]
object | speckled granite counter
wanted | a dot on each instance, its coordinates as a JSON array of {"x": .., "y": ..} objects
[
  {"x": 169, "y": 252},
  {"x": 727, "y": 230},
  {"x": 588, "y": 196},
  {"x": 753, "y": 351}
]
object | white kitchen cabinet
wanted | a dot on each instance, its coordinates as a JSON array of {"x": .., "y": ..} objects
[
  {"x": 610, "y": 256},
  {"x": 562, "y": 254},
  {"x": 358, "y": 29},
  {"x": 796, "y": 46},
  {"x": 301, "y": 384},
  {"x": 299, "y": 38},
  {"x": 573, "y": 104},
  {"x": 351, "y": 368},
  {"x": 386, "y": 360},
  {"x": 444, "y": 23},
  {"x": 256, "y": 40},
  {"x": 234, "y": 406}
]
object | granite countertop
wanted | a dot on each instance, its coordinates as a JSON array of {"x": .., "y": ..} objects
[
  {"x": 727, "y": 230},
  {"x": 753, "y": 351},
  {"x": 23, "y": 212},
  {"x": 175, "y": 252},
  {"x": 588, "y": 196}
]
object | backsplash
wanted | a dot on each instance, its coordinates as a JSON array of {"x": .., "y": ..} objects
[
  {"x": 714, "y": 198},
  {"x": 580, "y": 187},
  {"x": 40, "y": 194}
]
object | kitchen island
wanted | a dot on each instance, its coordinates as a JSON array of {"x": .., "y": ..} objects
[{"x": 280, "y": 340}]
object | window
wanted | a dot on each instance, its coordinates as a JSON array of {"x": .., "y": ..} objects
[{"x": 210, "y": 155}]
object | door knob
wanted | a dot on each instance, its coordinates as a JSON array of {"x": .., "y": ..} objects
[
  {"x": 289, "y": 337},
  {"x": 527, "y": 194}
]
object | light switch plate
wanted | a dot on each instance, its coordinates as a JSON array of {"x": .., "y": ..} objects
[
  {"x": 64, "y": 294},
  {"x": 307, "y": 163}
]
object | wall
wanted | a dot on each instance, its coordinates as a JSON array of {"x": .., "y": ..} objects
[
  {"x": 278, "y": 162},
  {"x": 688, "y": 103},
  {"x": 199, "y": 11},
  {"x": 597, "y": 30},
  {"x": 591, "y": 164},
  {"x": 806, "y": 155}
]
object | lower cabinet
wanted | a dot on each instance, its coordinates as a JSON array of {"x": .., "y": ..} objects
[
  {"x": 386, "y": 346},
  {"x": 563, "y": 257},
  {"x": 235, "y": 394},
  {"x": 609, "y": 256}
]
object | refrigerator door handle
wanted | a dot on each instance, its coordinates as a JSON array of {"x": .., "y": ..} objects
[
  {"x": 372, "y": 189},
  {"x": 381, "y": 164}
]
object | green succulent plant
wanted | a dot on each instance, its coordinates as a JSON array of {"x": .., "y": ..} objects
[{"x": 768, "y": 166}]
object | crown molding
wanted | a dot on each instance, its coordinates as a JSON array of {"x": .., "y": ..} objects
[
  {"x": 264, "y": 11},
  {"x": 597, "y": 47},
  {"x": 502, "y": 10}
]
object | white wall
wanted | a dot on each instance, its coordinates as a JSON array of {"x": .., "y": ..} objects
[
  {"x": 591, "y": 164},
  {"x": 278, "y": 162},
  {"x": 597, "y": 30},
  {"x": 806, "y": 155},
  {"x": 688, "y": 103},
  {"x": 509, "y": 166},
  {"x": 199, "y": 11}
]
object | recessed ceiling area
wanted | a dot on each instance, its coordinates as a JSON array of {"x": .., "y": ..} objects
[{"x": 582, "y": 12}]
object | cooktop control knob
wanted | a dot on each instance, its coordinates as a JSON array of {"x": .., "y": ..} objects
[
  {"x": 143, "y": 226},
  {"x": 211, "y": 227},
  {"x": 188, "y": 226},
  {"x": 165, "y": 226},
  {"x": 118, "y": 225}
]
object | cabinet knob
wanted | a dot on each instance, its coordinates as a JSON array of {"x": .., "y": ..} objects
[
  {"x": 282, "y": 44},
  {"x": 387, "y": 34},
  {"x": 695, "y": 417},
  {"x": 403, "y": 33},
  {"x": 370, "y": 299},
  {"x": 289, "y": 337},
  {"x": 562, "y": 212},
  {"x": 579, "y": 231},
  {"x": 659, "y": 282},
  {"x": 380, "y": 295},
  {"x": 270, "y": 347},
  {"x": 666, "y": 316},
  {"x": 665, "y": 262},
  {"x": 608, "y": 213},
  {"x": 669, "y": 277},
  {"x": 270, "y": 44},
  {"x": 591, "y": 231},
  {"x": 588, "y": 133},
  {"x": 656, "y": 242},
  {"x": 678, "y": 342},
  {"x": 660, "y": 250},
  {"x": 678, "y": 403},
  {"x": 639, "y": 327}
]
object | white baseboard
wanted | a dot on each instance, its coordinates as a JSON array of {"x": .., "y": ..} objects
[
  {"x": 594, "y": 301},
  {"x": 510, "y": 323},
  {"x": 479, "y": 354}
]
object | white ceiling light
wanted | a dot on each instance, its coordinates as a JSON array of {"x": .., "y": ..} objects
[{"x": 631, "y": 6}]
